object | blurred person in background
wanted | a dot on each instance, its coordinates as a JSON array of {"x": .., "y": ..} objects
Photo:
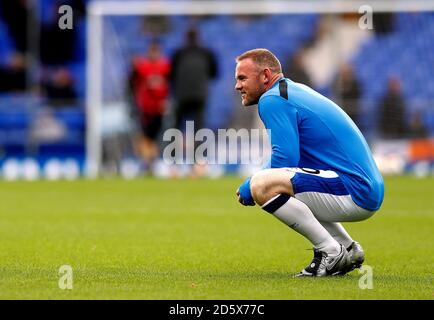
[
  {"x": 193, "y": 66},
  {"x": 13, "y": 75},
  {"x": 57, "y": 45},
  {"x": 296, "y": 71},
  {"x": 418, "y": 129},
  {"x": 346, "y": 90},
  {"x": 58, "y": 87},
  {"x": 18, "y": 15},
  {"x": 392, "y": 110},
  {"x": 149, "y": 85}
]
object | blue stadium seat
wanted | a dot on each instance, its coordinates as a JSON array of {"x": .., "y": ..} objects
[{"x": 72, "y": 117}]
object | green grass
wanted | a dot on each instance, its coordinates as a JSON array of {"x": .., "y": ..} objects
[{"x": 190, "y": 239}]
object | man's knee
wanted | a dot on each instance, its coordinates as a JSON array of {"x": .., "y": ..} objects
[
  {"x": 258, "y": 185},
  {"x": 268, "y": 183}
]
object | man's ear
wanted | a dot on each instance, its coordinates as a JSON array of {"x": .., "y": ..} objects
[{"x": 267, "y": 76}]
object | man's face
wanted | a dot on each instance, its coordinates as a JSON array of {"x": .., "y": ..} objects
[
  {"x": 154, "y": 52},
  {"x": 249, "y": 82}
]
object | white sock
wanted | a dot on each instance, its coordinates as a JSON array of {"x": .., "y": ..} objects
[
  {"x": 299, "y": 217},
  {"x": 338, "y": 232}
]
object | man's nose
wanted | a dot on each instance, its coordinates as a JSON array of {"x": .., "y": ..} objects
[{"x": 237, "y": 86}]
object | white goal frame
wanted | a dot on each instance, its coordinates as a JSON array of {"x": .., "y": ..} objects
[{"x": 96, "y": 10}]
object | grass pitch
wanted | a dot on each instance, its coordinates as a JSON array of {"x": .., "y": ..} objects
[{"x": 190, "y": 239}]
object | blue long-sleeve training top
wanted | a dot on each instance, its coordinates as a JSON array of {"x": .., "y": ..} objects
[{"x": 307, "y": 130}]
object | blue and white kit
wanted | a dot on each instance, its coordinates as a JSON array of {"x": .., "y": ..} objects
[{"x": 307, "y": 130}]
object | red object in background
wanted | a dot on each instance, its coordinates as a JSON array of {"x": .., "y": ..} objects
[
  {"x": 151, "y": 84},
  {"x": 421, "y": 149}
]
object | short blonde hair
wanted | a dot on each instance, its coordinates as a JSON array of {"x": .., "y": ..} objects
[{"x": 263, "y": 58}]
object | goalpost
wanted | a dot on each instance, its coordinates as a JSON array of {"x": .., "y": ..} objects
[{"x": 97, "y": 10}]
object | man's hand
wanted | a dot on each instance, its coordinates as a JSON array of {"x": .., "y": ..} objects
[{"x": 244, "y": 194}]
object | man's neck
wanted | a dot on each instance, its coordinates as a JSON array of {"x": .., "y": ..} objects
[{"x": 273, "y": 80}]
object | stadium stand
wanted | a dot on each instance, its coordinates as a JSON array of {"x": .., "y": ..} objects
[{"x": 402, "y": 52}]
